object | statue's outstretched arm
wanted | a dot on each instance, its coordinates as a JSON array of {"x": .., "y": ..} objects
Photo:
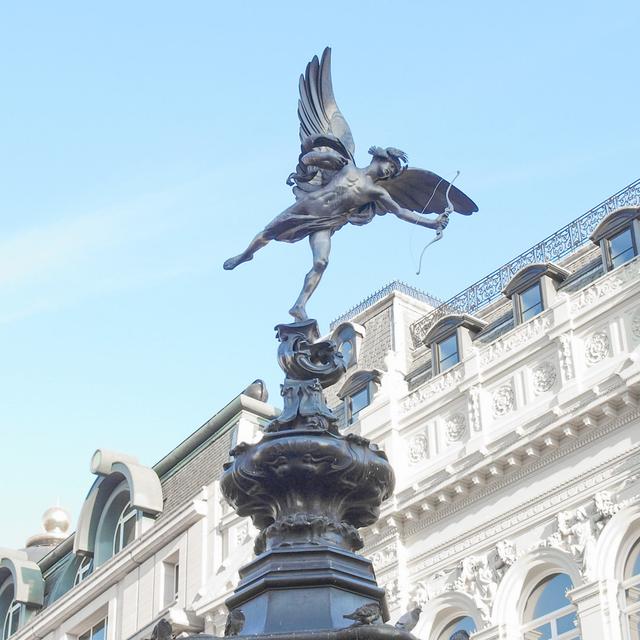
[{"x": 388, "y": 203}]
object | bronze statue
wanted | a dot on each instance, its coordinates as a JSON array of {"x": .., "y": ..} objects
[{"x": 332, "y": 191}]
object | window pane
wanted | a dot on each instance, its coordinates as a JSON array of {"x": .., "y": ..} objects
[
  {"x": 347, "y": 353},
  {"x": 99, "y": 632},
  {"x": 170, "y": 582},
  {"x": 633, "y": 594},
  {"x": 531, "y": 302},
  {"x": 549, "y": 595},
  {"x": 634, "y": 625},
  {"x": 621, "y": 248},
  {"x": 542, "y": 632},
  {"x": 448, "y": 353},
  {"x": 129, "y": 530},
  {"x": 567, "y": 623},
  {"x": 359, "y": 401},
  {"x": 632, "y": 566},
  {"x": 461, "y": 624}
]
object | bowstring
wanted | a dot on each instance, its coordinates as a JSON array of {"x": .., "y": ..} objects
[
  {"x": 415, "y": 224},
  {"x": 448, "y": 210}
]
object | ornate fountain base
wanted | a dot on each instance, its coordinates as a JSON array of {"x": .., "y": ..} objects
[{"x": 308, "y": 489}]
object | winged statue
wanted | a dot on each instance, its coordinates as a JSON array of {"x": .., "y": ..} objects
[{"x": 331, "y": 191}]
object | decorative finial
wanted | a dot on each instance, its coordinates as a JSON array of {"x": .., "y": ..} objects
[{"x": 56, "y": 522}]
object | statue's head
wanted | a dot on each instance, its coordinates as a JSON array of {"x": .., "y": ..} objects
[
  {"x": 392, "y": 161},
  {"x": 460, "y": 635}
]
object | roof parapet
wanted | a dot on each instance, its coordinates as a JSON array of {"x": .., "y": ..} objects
[{"x": 556, "y": 246}]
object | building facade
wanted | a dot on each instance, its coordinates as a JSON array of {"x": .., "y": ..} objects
[{"x": 511, "y": 416}]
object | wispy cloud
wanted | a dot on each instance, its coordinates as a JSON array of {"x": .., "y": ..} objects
[{"x": 54, "y": 264}]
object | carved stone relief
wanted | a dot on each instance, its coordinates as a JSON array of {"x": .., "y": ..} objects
[
  {"x": 606, "y": 286},
  {"x": 544, "y": 377},
  {"x": 393, "y": 593},
  {"x": 242, "y": 533},
  {"x": 386, "y": 556},
  {"x": 577, "y": 531},
  {"x": 437, "y": 385},
  {"x": 635, "y": 324},
  {"x": 476, "y": 575},
  {"x": 474, "y": 408},
  {"x": 418, "y": 448},
  {"x": 503, "y": 401},
  {"x": 596, "y": 348},
  {"x": 516, "y": 338},
  {"x": 566, "y": 358},
  {"x": 455, "y": 427},
  {"x": 419, "y": 595}
]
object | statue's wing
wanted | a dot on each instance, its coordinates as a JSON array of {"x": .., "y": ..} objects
[
  {"x": 317, "y": 109},
  {"x": 426, "y": 192}
]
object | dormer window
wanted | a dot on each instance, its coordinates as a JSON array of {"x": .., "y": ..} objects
[
  {"x": 356, "y": 403},
  {"x": 447, "y": 353},
  {"x": 618, "y": 236},
  {"x": 348, "y": 337},
  {"x": 11, "y": 620},
  {"x": 530, "y": 302},
  {"x": 357, "y": 392},
  {"x": 533, "y": 289},
  {"x": 621, "y": 248},
  {"x": 450, "y": 339}
]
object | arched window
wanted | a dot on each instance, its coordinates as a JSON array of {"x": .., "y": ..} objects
[
  {"x": 465, "y": 623},
  {"x": 84, "y": 569},
  {"x": 117, "y": 527},
  {"x": 11, "y": 620},
  {"x": 549, "y": 614},
  {"x": 632, "y": 591},
  {"x": 125, "y": 528},
  {"x": 348, "y": 337}
]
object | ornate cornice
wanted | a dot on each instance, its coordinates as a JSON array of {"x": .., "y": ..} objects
[{"x": 493, "y": 529}]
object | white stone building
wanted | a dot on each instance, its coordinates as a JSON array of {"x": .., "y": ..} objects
[{"x": 511, "y": 416}]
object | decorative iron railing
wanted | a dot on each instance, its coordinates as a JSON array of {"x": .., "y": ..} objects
[
  {"x": 556, "y": 246},
  {"x": 396, "y": 285}
]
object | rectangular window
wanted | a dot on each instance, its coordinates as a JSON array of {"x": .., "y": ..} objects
[
  {"x": 531, "y": 302},
  {"x": 447, "y": 353},
  {"x": 357, "y": 402},
  {"x": 97, "y": 632},
  {"x": 171, "y": 582},
  {"x": 621, "y": 248}
]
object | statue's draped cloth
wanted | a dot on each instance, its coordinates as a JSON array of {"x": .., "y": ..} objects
[{"x": 292, "y": 225}]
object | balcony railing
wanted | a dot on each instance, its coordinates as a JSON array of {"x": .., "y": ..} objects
[{"x": 551, "y": 249}]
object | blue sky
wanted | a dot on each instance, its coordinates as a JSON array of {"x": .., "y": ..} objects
[{"x": 143, "y": 143}]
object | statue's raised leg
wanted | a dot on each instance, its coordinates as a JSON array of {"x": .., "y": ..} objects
[{"x": 257, "y": 243}]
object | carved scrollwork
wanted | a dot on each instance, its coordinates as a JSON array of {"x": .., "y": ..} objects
[
  {"x": 309, "y": 483},
  {"x": 305, "y": 528},
  {"x": 301, "y": 357}
]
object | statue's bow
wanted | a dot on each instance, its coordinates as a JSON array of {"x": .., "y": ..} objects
[{"x": 440, "y": 229}]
